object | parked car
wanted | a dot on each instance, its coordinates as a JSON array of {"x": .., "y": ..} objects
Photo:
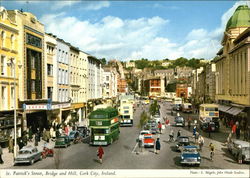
[
  {"x": 28, "y": 154},
  {"x": 179, "y": 121},
  {"x": 182, "y": 141},
  {"x": 236, "y": 146},
  {"x": 157, "y": 118},
  {"x": 62, "y": 141},
  {"x": 190, "y": 156},
  {"x": 72, "y": 135},
  {"x": 148, "y": 140},
  {"x": 83, "y": 130},
  {"x": 141, "y": 136}
]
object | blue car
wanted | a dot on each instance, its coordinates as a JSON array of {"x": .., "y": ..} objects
[
  {"x": 72, "y": 135},
  {"x": 190, "y": 156}
]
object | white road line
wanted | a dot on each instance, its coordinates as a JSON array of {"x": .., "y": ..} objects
[{"x": 134, "y": 148}]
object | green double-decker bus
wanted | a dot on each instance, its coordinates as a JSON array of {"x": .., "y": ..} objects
[{"x": 104, "y": 126}]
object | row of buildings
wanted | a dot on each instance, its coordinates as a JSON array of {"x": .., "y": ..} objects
[
  {"x": 45, "y": 80},
  {"x": 226, "y": 79}
]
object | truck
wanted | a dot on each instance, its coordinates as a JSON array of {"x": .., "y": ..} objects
[
  {"x": 186, "y": 107},
  {"x": 177, "y": 102}
]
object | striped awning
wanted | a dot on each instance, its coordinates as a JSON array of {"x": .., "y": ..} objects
[
  {"x": 235, "y": 110},
  {"x": 224, "y": 108}
]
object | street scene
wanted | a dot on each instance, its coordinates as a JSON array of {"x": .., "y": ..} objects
[{"x": 71, "y": 98}]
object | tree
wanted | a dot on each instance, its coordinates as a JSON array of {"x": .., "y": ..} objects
[
  {"x": 143, "y": 119},
  {"x": 153, "y": 108},
  {"x": 103, "y": 61}
]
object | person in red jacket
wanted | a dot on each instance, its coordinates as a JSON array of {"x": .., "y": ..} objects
[
  {"x": 159, "y": 127},
  {"x": 100, "y": 153}
]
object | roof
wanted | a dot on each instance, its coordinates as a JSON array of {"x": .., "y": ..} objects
[
  {"x": 240, "y": 18},
  {"x": 209, "y": 105},
  {"x": 190, "y": 146},
  {"x": 106, "y": 113}
]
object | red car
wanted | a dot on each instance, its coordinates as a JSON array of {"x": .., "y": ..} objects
[{"x": 148, "y": 140}]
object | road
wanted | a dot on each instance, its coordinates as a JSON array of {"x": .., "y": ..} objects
[{"x": 125, "y": 154}]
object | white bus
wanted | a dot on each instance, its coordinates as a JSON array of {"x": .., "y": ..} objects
[
  {"x": 177, "y": 102},
  {"x": 126, "y": 110},
  {"x": 209, "y": 116}
]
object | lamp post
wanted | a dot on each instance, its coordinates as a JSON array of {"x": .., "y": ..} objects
[{"x": 12, "y": 64}]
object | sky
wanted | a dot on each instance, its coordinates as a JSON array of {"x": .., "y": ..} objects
[{"x": 130, "y": 30}]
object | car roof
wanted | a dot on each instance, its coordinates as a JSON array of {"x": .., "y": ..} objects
[
  {"x": 30, "y": 148},
  {"x": 183, "y": 137},
  {"x": 190, "y": 146},
  {"x": 241, "y": 142}
]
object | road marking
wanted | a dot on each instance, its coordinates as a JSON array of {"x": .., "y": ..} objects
[{"x": 133, "y": 151}]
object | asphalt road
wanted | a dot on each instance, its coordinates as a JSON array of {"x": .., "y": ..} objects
[{"x": 125, "y": 154}]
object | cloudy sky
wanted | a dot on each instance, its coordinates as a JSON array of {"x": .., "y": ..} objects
[{"x": 128, "y": 30}]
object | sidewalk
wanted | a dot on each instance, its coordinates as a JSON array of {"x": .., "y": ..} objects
[{"x": 8, "y": 158}]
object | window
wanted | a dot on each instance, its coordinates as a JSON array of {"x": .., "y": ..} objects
[
  {"x": 50, "y": 92},
  {"x": 50, "y": 69},
  {"x": 107, "y": 78},
  {"x": 4, "y": 97},
  {"x": 33, "y": 85},
  {"x": 33, "y": 62},
  {"x": 2, "y": 39},
  {"x": 12, "y": 68},
  {"x": 12, "y": 40},
  {"x": 3, "y": 65}
]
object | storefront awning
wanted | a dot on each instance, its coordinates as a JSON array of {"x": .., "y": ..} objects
[
  {"x": 235, "y": 110},
  {"x": 224, "y": 108}
]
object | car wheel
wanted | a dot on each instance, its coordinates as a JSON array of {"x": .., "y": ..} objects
[{"x": 31, "y": 161}]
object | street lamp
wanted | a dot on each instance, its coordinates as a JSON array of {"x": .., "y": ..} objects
[{"x": 12, "y": 64}]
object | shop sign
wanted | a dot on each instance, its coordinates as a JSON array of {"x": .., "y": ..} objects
[
  {"x": 35, "y": 107},
  {"x": 98, "y": 122}
]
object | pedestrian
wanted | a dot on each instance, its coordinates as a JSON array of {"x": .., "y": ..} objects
[
  {"x": 200, "y": 142},
  {"x": 157, "y": 146},
  {"x": 196, "y": 137},
  {"x": 39, "y": 133},
  {"x": 47, "y": 133},
  {"x": 211, "y": 147},
  {"x": 25, "y": 138},
  {"x": 194, "y": 131},
  {"x": 11, "y": 145},
  {"x": 20, "y": 144},
  {"x": 30, "y": 134},
  {"x": 1, "y": 153},
  {"x": 167, "y": 122},
  {"x": 159, "y": 127},
  {"x": 171, "y": 135},
  {"x": 237, "y": 131},
  {"x": 189, "y": 123},
  {"x": 178, "y": 133},
  {"x": 36, "y": 138},
  {"x": 100, "y": 153}
]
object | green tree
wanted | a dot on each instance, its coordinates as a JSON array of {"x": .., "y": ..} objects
[
  {"x": 153, "y": 108},
  {"x": 141, "y": 64},
  {"x": 103, "y": 61},
  {"x": 143, "y": 119}
]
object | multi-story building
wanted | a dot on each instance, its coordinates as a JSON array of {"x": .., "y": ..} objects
[
  {"x": 210, "y": 71},
  {"x": 51, "y": 69},
  {"x": 153, "y": 87},
  {"x": 10, "y": 63},
  {"x": 233, "y": 67},
  {"x": 110, "y": 83},
  {"x": 194, "y": 84}
]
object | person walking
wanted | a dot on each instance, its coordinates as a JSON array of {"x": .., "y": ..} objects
[
  {"x": 194, "y": 131},
  {"x": 157, "y": 146},
  {"x": 209, "y": 130},
  {"x": 211, "y": 147},
  {"x": 100, "y": 153},
  {"x": 36, "y": 138},
  {"x": 30, "y": 133},
  {"x": 196, "y": 137},
  {"x": 178, "y": 133},
  {"x": 171, "y": 135},
  {"x": 11, "y": 145},
  {"x": 1, "y": 153},
  {"x": 159, "y": 127},
  {"x": 200, "y": 142}
]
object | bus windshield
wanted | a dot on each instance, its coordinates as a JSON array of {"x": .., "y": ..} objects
[{"x": 211, "y": 109}]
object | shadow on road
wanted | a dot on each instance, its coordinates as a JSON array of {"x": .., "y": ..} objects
[
  {"x": 96, "y": 160},
  {"x": 127, "y": 147}
]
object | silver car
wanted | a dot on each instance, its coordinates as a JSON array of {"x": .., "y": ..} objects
[
  {"x": 238, "y": 145},
  {"x": 28, "y": 154}
]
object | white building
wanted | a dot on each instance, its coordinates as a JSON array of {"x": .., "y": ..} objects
[{"x": 110, "y": 83}]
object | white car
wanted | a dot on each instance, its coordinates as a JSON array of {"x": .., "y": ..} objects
[
  {"x": 28, "y": 154},
  {"x": 157, "y": 118},
  {"x": 142, "y": 133}
]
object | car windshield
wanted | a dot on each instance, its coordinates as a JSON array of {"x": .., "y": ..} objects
[
  {"x": 60, "y": 139},
  {"x": 190, "y": 150},
  {"x": 142, "y": 133},
  {"x": 246, "y": 150},
  {"x": 183, "y": 140},
  {"x": 179, "y": 119},
  {"x": 72, "y": 133},
  {"x": 21, "y": 152}
]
